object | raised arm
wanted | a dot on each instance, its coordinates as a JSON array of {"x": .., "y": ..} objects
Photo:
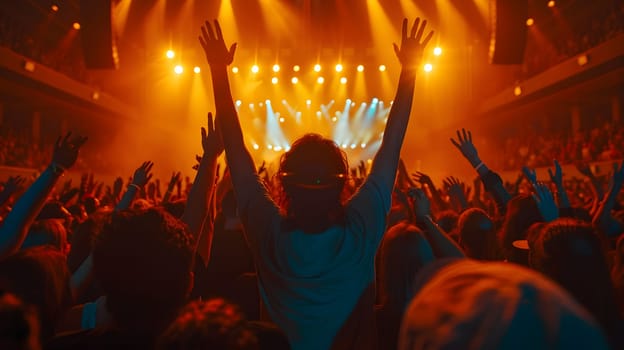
[
  {"x": 141, "y": 177},
  {"x": 25, "y": 210},
  {"x": 219, "y": 57},
  {"x": 201, "y": 191},
  {"x": 410, "y": 55},
  {"x": 491, "y": 180},
  {"x": 603, "y": 218},
  {"x": 562, "y": 195},
  {"x": 443, "y": 246}
]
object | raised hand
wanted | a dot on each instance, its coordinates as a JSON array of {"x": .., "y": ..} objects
[
  {"x": 584, "y": 169},
  {"x": 143, "y": 174},
  {"x": 618, "y": 174},
  {"x": 211, "y": 40},
  {"x": 545, "y": 202},
  {"x": 412, "y": 47},
  {"x": 422, "y": 206},
  {"x": 466, "y": 147},
  {"x": 66, "y": 150},
  {"x": 175, "y": 179},
  {"x": 557, "y": 176},
  {"x": 117, "y": 187},
  {"x": 211, "y": 139},
  {"x": 422, "y": 178},
  {"x": 530, "y": 175},
  {"x": 457, "y": 190},
  {"x": 13, "y": 183}
]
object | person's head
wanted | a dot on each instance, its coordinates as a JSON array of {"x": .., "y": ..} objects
[
  {"x": 39, "y": 276},
  {"x": 447, "y": 220},
  {"x": 84, "y": 237},
  {"x": 477, "y": 236},
  {"x": 19, "y": 324},
  {"x": 571, "y": 253},
  {"x": 522, "y": 212},
  {"x": 213, "y": 324},
  {"x": 143, "y": 262},
  {"x": 49, "y": 232},
  {"x": 403, "y": 253},
  {"x": 494, "y": 305},
  {"x": 312, "y": 176}
]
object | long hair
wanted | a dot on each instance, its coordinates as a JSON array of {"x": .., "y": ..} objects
[
  {"x": 522, "y": 212},
  {"x": 477, "y": 235},
  {"x": 403, "y": 252},
  {"x": 312, "y": 176}
]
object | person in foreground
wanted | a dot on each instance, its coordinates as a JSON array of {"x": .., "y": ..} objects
[
  {"x": 315, "y": 254},
  {"x": 493, "y": 305}
]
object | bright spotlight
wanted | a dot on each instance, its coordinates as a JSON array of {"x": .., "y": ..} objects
[
  {"x": 360, "y": 68},
  {"x": 353, "y": 145},
  {"x": 277, "y": 148},
  {"x": 55, "y": 8},
  {"x": 363, "y": 145},
  {"x": 530, "y": 22},
  {"x": 274, "y": 80},
  {"x": 281, "y": 119},
  {"x": 339, "y": 67},
  {"x": 170, "y": 54},
  {"x": 317, "y": 67},
  {"x": 343, "y": 80},
  {"x": 517, "y": 91},
  {"x": 267, "y": 101},
  {"x": 551, "y": 3},
  {"x": 382, "y": 68},
  {"x": 437, "y": 51},
  {"x": 239, "y": 102},
  {"x": 197, "y": 70},
  {"x": 308, "y": 102},
  {"x": 320, "y": 80},
  {"x": 344, "y": 145},
  {"x": 234, "y": 69},
  {"x": 178, "y": 69},
  {"x": 255, "y": 69},
  {"x": 276, "y": 68},
  {"x": 255, "y": 146},
  {"x": 294, "y": 80},
  {"x": 428, "y": 67},
  {"x": 270, "y": 146},
  {"x": 76, "y": 25},
  {"x": 296, "y": 68}
]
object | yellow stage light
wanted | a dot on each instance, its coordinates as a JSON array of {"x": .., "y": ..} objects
[{"x": 178, "y": 69}]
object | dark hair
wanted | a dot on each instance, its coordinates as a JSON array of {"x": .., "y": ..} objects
[
  {"x": 477, "y": 235},
  {"x": 84, "y": 237},
  {"x": 143, "y": 261},
  {"x": 19, "y": 324},
  {"x": 403, "y": 253},
  {"x": 312, "y": 177},
  {"x": 447, "y": 220},
  {"x": 39, "y": 276},
  {"x": 47, "y": 232},
  {"x": 570, "y": 252},
  {"x": 214, "y": 324},
  {"x": 522, "y": 212}
]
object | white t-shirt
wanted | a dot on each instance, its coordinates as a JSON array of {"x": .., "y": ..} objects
[{"x": 318, "y": 288}]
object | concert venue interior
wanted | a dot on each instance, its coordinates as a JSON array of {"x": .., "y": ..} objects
[{"x": 531, "y": 81}]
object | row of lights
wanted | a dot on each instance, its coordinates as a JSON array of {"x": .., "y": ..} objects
[
  {"x": 530, "y": 21},
  {"x": 255, "y": 69},
  {"x": 179, "y": 69}
]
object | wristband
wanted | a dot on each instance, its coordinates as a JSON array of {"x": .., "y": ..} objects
[
  {"x": 479, "y": 166},
  {"x": 135, "y": 186}
]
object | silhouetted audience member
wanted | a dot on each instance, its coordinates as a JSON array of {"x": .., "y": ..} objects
[
  {"x": 491, "y": 305},
  {"x": 143, "y": 262},
  {"x": 19, "y": 324}
]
